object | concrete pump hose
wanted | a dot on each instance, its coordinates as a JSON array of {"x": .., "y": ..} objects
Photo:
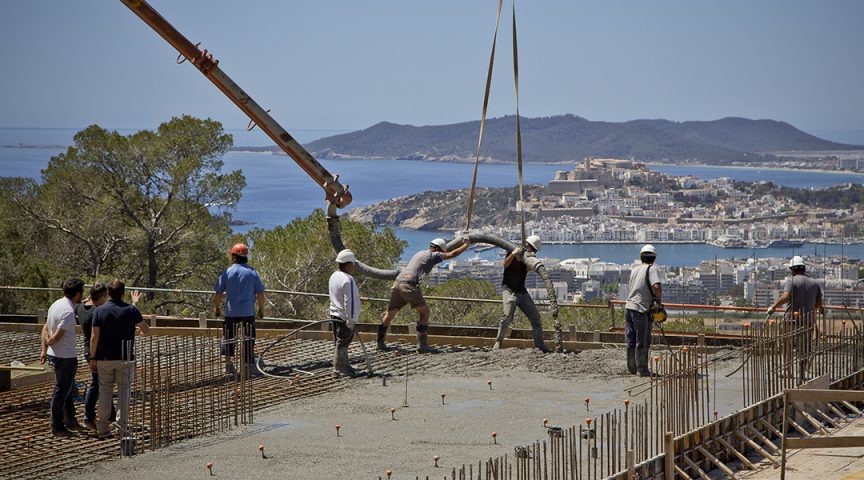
[{"x": 531, "y": 261}]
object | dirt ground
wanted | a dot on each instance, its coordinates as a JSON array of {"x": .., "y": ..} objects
[{"x": 300, "y": 437}]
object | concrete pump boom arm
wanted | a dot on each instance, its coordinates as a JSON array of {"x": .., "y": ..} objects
[{"x": 335, "y": 193}]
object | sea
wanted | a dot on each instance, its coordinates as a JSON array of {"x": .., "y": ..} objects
[{"x": 278, "y": 191}]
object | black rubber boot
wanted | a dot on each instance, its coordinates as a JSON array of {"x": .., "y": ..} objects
[
  {"x": 642, "y": 362},
  {"x": 423, "y": 340},
  {"x": 631, "y": 360},
  {"x": 382, "y": 334}
]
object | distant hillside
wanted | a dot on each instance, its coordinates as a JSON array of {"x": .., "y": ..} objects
[
  {"x": 568, "y": 138},
  {"x": 445, "y": 210}
]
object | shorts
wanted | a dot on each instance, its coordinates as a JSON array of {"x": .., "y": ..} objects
[{"x": 403, "y": 293}]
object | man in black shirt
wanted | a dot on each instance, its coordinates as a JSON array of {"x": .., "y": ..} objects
[
  {"x": 112, "y": 352},
  {"x": 514, "y": 294},
  {"x": 84, "y": 313}
]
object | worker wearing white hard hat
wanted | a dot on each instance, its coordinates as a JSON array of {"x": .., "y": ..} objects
[
  {"x": 800, "y": 292},
  {"x": 803, "y": 299},
  {"x": 646, "y": 292},
  {"x": 514, "y": 294},
  {"x": 344, "y": 310},
  {"x": 406, "y": 291}
]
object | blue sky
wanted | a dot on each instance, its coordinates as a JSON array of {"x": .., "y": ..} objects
[{"x": 327, "y": 64}]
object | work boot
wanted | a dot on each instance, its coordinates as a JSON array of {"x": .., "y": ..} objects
[
  {"x": 423, "y": 344},
  {"x": 499, "y": 340},
  {"x": 341, "y": 364},
  {"x": 631, "y": 360},
  {"x": 382, "y": 334},
  {"x": 642, "y": 362}
]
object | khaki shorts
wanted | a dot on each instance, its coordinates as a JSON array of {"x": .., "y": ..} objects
[{"x": 402, "y": 294}]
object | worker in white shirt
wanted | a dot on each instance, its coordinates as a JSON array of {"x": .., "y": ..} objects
[{"x": 344, "y": 311}]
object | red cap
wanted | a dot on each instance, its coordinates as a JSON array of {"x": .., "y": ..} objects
[{"x": 240, "y": 249}]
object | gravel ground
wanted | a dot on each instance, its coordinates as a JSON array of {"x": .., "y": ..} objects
[{"x": 300, "y": 438}]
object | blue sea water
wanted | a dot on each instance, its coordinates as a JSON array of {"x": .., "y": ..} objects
[{"x": 278, "y": 191}]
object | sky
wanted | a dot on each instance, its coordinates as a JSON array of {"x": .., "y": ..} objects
[{"x": 348, "y": 64}]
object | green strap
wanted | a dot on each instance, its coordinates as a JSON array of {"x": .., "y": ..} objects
[{"x": 483, "y": 120}]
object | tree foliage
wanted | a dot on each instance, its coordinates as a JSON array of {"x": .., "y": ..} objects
[{"x": 454, "y": 312}]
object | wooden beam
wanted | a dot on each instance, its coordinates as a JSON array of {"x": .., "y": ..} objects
[
  {"x": 693, "y": 465},
  {"x": 816, "y": 424},
  {"x": 765, "y": 440},
  {"x": 744, "y": 460},
  {"x": 682, "y": 473},
  {"x": 825, "y": 442},
  {"x": 756, "y": 447},
  {"x": 825, "y": 395},
  {"x": 722, "y": 466},
  {"x": 852, "y": 407}
]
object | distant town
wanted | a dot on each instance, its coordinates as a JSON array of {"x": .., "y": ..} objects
[{"x": 614, "y": 200}]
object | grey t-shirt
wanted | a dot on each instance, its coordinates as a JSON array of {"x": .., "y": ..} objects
[
  {"x": 805, "y": 292},
  {"x": 419, "y": 265},
  {"x": 641, "y": 297}
]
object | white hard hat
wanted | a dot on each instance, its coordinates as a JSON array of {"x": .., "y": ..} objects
[
  {"x": 648, "y": 248},
  {"x": 796, "y": 261},
  {"x": 346, "y": 256},
  {"x": 534, "y": 241},
  {"x": 439, "y": 242}
]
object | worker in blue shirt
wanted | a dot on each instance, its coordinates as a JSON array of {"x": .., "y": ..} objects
[{"x": 242, "y": 287}]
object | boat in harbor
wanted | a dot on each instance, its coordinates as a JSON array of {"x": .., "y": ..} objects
[{"x": 786, "y": 244}]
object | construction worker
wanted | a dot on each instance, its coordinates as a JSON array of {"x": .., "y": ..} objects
[
  {"x": 59, "y": 349},
  {"x": 406, "y": 290},
  {"x": 344, "y": 310},
  {"x": 112, "y": 351},
  {"x": 804, "y": 297},
  {"x": 800, "y": 291},
  {"x": 645, "y": 291},
  {"x": 513, "y": 294},
  {"x": 242, "y": 287}
]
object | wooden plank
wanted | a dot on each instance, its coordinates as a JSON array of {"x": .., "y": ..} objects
[
  {"x": 825, "y": 442},
  {"x": 693, "y": 465},
  {"x": 824, "y": 395},
  {"x": 682, "y": 473},
  {"x": 852, "y": 407},
  {"x": 797, "y": 427},
  {"x": 722, "y": 466},
  {"x": 744, "y": 460},
  {"x": 759, "y": 449},
  {"x": 770, "y": 427},
  {"x": 765, "y": 440},
  {"x": 816, "y": 424}
]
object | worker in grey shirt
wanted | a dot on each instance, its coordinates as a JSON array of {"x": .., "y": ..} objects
[
  {"x": 804, "y": 297},
  {"x": 801, "y": 292},
  {"x": 645, "y": 290},
  {"x": 406, "y": 290}
]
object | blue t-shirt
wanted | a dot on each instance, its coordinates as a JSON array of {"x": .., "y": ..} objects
[{"x": 240, "y": 283}]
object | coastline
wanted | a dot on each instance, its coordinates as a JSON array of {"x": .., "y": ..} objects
[{"x": 743, "y": 167}]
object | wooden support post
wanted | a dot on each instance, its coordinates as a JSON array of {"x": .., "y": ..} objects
[
  {"x": 681, "y": 473},
  {"x": 756, "y": 447},
  {"x": 631, "y": 465},
  {"x": 572, "y": 333},
  {"x": 153, "y": 321},
  {"x": 716, "y": 461},
  {"x": 669, "y": 455},
  {"x": 744, "y": 460},
  {"x": 40, "y": 317},
  {"x": 596, "y": 337},
  {"x": 696, "y": 467},
  {"x": 202, "y": 320}
]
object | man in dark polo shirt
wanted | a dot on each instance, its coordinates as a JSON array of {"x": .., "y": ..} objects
[
  {"x": 112, "y": 346},
  {"x": 514, "y": 294}
]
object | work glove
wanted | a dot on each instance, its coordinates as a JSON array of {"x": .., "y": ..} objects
[
  {"x": 519, "y": 251},
  {"x": 771, "y": 310}
]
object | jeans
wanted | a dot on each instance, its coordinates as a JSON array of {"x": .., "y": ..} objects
[
  {"x": 342, "y": 335},
  {"x": 91, "y": 397},
  {"x": 62, "y": 403},
  {"x": 637, "y": 329},
  {"x": 524, "y": 302},
  {"x": 113, "y": 372}
]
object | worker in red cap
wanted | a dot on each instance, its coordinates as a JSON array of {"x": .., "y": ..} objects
[{"x": 242, "y": 287}]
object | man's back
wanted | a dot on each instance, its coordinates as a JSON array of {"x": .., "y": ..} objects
[
  {"x": 805, "y": 293},
  {"x": 240, "y": 283},
  {"x": 61, "y": 315},
  {"x": 116, "y": 321},
  {"x": 419, "y": 265},
  {"x": 641, "y": 296}
]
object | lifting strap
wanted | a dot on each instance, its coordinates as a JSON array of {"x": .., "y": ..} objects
[
  {"x": 483, "y": 119},
  {"x": 518, "y": 127}
]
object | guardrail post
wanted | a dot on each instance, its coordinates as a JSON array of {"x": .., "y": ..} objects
[
  {"x": 153, "y": 320},
  {"x": 596, "y": 336},
  {"x": 700, "y": 340},
  {"x": 202, "y": 320},
  {"x": 572, "y": 333},
  {"x": 40, "y": 317},
  {"x": 669, "y": 456},
  {"x": 611, "y": 314},
  {"x": 412, "y": 329}
]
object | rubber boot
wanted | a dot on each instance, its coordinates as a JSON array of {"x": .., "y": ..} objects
[
  {"x": 538, "y": 341},
  {"x": 631, "y": 360},
  {"x": 499, "y": 340},
  {"x": 642, "y": 362},
  {"x": 423, "y": 343},
  {"x": 341, "y": 365},
  {"x": 382, "y": 334}
]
